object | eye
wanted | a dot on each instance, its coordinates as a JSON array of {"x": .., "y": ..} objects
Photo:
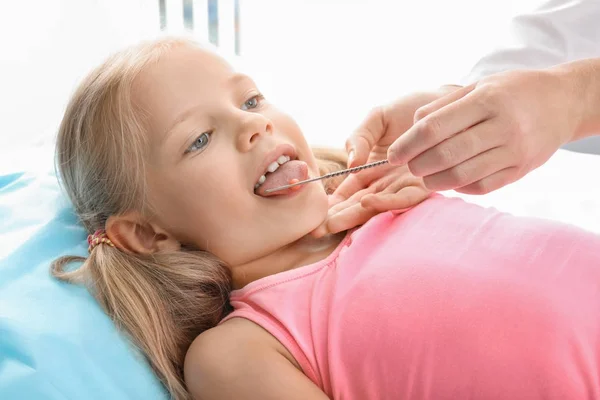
[
  {"x": 252, "y": 102},
  {"x": 200, "y": 143}
]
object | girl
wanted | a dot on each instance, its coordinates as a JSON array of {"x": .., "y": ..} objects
[{"x": 166, "y": 153}]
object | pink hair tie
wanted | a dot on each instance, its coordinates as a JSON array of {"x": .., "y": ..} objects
[{"x": 97, "y": 238}]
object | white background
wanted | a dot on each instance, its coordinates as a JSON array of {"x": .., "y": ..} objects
[{"x": 326, "y": 62}]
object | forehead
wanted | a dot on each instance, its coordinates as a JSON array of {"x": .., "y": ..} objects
[
  {"x": 184, "y": 76},
  {"x": 180, "y": 69}
]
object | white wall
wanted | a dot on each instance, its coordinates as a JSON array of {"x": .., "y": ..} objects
[
  {"x": 329, "y": 61},
  {"x": 324, "y": 61},
  {"x": 47, "y": 46}
]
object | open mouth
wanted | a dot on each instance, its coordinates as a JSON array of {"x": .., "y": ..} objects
[
  {"x": 274, "y": 166},
  {"x": 280, "y": 171}
]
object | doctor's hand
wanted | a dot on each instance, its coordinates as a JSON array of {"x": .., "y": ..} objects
[
  {"x": 482, "y": 137},
  {"x": 367, "y": 193},
  {"x": 372, "y": 191}
]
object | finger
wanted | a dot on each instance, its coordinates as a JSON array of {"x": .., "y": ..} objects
[
  {"x": 470, "y": 171},
  {"x": 492, "y": 182},
  {"x": 334, "y": 209},
  {"x": 346, "y": 216},
  {"x": 443, "y": 101},
  {"x": 353, "y": 183},
  {"x": 319, "y": 231},
  {"x": 349, "y": 186},
  {"x": 457, "y": 149},
  {"x": 436, "y": 127},
  {"x": 388, "y": 186},
  {"x": 362, "y": 140},
  {"x": 354, "y": 199},
  {"x": 401, "y": 199},
  {"x": 397, "y": 197},
  {"x": 349, "y": 218}
]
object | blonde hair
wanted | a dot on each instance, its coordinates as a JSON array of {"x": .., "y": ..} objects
[{"x": 162, "y": 301}]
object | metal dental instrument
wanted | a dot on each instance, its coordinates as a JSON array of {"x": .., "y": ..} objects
[{"x": 330, "y": 175}]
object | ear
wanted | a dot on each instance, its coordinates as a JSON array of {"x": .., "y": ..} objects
[{"x": 131, "y": 233}]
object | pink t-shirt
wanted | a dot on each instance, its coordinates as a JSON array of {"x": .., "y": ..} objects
[{"x": 446, "y": 301}]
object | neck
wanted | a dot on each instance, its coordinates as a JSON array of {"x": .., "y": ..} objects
[{"x": 304, "y": 251}]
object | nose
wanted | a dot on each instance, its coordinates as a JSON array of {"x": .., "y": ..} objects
[{"x": 252, "y": 127}]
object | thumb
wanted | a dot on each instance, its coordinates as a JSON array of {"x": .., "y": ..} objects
[{"x": 363, "y": 139}]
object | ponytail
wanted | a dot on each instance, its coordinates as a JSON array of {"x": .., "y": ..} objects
[{"x": 162, "y": 301}]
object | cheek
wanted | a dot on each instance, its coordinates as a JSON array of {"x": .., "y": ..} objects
[
  {"x": 197, "y": 205},
  {"x": 212, "y": 222},
  {"x": 284, "y": 124},
  {"x": 288, "y": 127}
]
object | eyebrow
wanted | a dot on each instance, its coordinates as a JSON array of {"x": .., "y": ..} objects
[{"x": 233, "y": 80}]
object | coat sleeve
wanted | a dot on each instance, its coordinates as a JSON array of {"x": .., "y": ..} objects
[{"x": 558, "y": 31}]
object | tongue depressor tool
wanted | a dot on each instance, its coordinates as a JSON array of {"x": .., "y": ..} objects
[{"x": 330, "y": 175}]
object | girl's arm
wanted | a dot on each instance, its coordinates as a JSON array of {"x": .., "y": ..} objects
[{"x": 239, "y": 360}]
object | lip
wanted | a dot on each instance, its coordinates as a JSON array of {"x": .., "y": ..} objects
[
  {"x": 273, "y": 155},
  {"x": 287, "y": 194}
]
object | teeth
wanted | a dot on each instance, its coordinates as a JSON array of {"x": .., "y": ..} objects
[
  {"x": 272, "y": 168},
  {"x": 261, "y": 180}
]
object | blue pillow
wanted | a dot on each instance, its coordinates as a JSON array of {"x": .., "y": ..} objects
[{"x": 55, "y": 340}]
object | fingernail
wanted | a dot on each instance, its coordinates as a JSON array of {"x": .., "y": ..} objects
[
  {"x": 367, "y": 202},
  {"x": 393, "y": 156},
  {"x": 350, "y": 157}
]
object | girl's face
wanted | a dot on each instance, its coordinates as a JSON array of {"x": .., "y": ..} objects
[{"x": 212, "y": 139}]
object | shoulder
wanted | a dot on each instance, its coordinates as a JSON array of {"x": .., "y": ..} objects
[
  {"x": 222, "y": 354},
  {"x": 240, "y": 360},
  {"x": 233, "y": 335},
  {"x": 221, "y": 346}
]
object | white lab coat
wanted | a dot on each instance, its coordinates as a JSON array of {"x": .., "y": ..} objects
[{"x": 558, "y": 31}]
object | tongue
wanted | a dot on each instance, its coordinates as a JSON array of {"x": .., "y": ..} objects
[{"x": 285, "y": 173}]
